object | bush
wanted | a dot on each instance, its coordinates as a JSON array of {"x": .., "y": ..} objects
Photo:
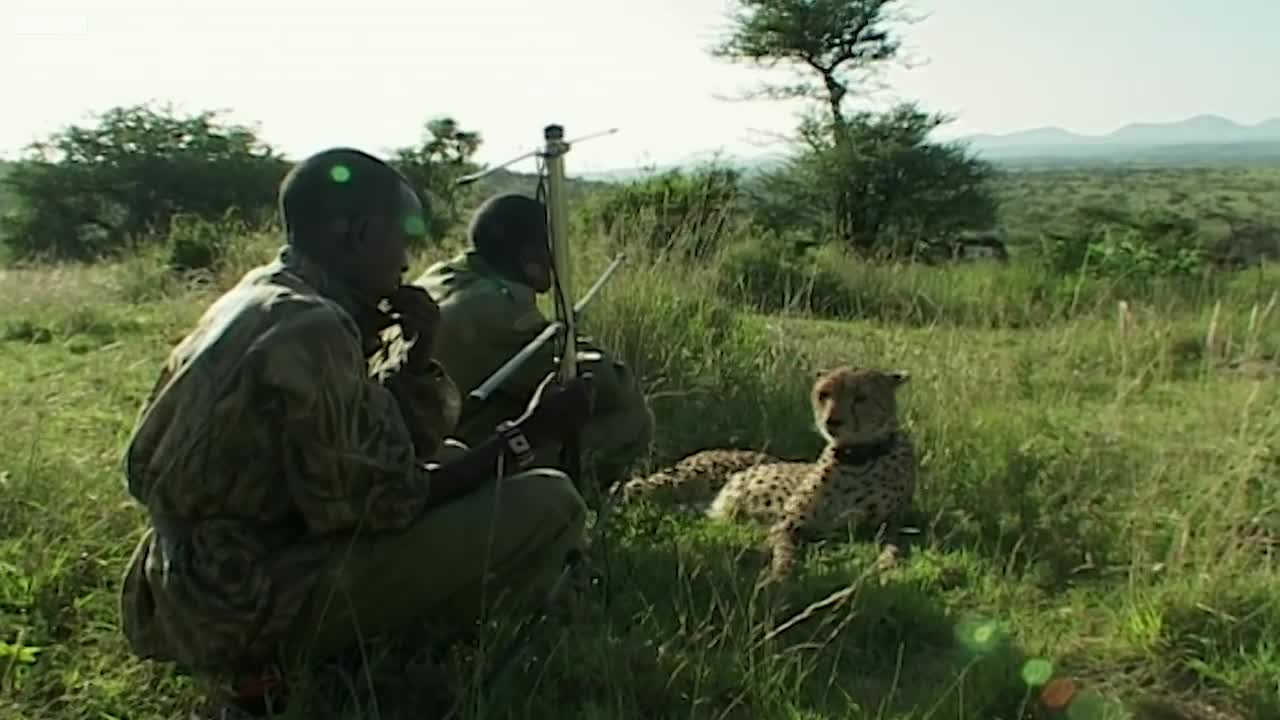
[
  {"x": 1111, "y": 242},
  {"x": 674, "y": 213},
  {"x": 89, "y": 192},
  {"x": 769, "y": 277},
  {"x": 885, "y": 190},
  {"x": 197, "y": 244}
]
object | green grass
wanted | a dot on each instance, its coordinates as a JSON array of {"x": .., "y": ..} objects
[{"x": 1098, "y": 491}]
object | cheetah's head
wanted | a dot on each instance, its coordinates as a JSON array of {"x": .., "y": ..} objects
[{"x": 856, "y": 405}]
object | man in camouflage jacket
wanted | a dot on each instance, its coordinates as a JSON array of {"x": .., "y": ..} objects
[
  {"x": 488, "y": 311},
  {"x": 283, "y": 456}
]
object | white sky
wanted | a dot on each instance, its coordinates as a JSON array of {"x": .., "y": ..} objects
[{"x": 316, "y": 74}]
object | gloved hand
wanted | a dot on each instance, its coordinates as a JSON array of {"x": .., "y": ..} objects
[
  {"x": 555, "y": 408},
  {"x": 419, "y": 316}
]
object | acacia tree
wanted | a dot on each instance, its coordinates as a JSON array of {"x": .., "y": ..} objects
[
  {"x": 433, "y": 166},
  {"x": 902, "y": 187},
  {"x": 837, "y": 47}
]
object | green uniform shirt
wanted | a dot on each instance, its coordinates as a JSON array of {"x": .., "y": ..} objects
[{"x": 485, "y": 320}]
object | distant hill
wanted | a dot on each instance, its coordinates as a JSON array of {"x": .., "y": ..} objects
[{"x": 1202, "y": 136}]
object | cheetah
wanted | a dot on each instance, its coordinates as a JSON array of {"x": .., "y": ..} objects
[
  {"x": 694, "y": 480},
  {"x": 864, "y": 477}
]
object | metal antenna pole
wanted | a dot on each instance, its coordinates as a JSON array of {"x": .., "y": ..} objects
[{"x": 558, "y": 227}]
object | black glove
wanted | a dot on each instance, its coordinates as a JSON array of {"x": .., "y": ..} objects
[
  {"x": 419, "y": 317},
  {"x": 556, "y": 409}
]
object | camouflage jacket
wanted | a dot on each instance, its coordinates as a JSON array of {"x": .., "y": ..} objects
[{"x": 269, "y": 440}]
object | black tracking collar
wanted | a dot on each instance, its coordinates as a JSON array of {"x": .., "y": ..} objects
[{"x": 863, "y": 453}]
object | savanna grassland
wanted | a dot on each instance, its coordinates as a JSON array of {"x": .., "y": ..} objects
[
  {"x": 1213, "y": 194},
  {"x": 1099, "y": 509}
]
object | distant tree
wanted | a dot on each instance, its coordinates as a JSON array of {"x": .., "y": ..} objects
[
  {"x": 898, "y": 188},
  {"x": 88, "y": 192},
  {"x": 433, "y": 166},
  {"x": 837, "y": 47}
]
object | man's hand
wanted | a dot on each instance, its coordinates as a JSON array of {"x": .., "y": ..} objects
[
  {"x": 419, "y": 316},
  {"x": 371, "y": 322},
  {"x": 554, "y": 409},
  {"x": 557, "y": 408}
]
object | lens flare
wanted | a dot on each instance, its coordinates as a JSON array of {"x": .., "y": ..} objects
[
  {"x": 415, "y": 226},
  {"x": 979, "y": 636},
  {"x": 1037, "y": 671},
  {"x": 1058, "y": 693}
]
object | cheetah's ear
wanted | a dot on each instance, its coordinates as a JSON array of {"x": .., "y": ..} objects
[{"x": 899, "y": 377}]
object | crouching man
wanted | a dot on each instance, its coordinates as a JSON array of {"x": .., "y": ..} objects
[
  {"x": 286, "y": 470},
  {"x": 488, "y": 313}
]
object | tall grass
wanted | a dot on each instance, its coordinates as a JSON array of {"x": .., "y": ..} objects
[
  {"x": 831, "y": 283},
  {"x": 1097, "y": 491}
]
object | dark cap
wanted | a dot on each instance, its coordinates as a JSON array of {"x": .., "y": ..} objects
[
  {"x": 333, "y": 185},
  {"x": 506, "y": 223}
]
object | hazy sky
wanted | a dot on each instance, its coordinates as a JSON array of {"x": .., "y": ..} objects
[{"x": 368, "y": 73}]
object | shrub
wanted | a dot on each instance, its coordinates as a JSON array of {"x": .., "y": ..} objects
[
  {"x": 88, "y": 192},
  {"x": 674, "y": 213}
]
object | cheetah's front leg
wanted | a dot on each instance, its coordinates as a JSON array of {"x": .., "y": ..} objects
[
  {"x": 784, "y": 550},
  {"x": 785, "y": 535}
]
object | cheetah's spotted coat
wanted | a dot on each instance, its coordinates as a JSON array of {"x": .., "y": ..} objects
[{"x": 863, "y": 478}]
